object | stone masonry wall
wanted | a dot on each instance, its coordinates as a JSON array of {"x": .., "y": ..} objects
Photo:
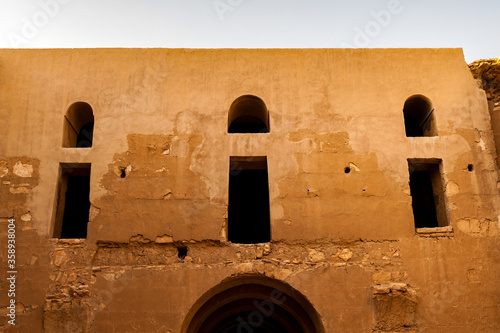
[
  {"x": 345, "y": 241},
  {"x": 487, "y": 72}
]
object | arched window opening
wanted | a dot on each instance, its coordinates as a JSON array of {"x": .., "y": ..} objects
[
  {"x": 78, "y": 126},
  {"x": 248, "y": 114},
  {"x": 252, "y": 304},
  {"x": 419, "y": 117}
]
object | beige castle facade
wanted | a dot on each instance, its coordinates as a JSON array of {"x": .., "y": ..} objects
[{"x": 311, "y": 190}]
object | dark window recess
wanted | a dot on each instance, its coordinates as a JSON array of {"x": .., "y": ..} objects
[
  {"x": 84, "y": 139},
  {"x": 429, "y": 209},
  {"x": 412, "y": 127},
  {"x": 248, "y": 125},
  {"x": 74, "y": 204},
  {"x": 78, "y": 126},
  {"x": 419, "y": 117},
  {"x": 248, "y": 114},
  {"x": 248, "y": 211}
]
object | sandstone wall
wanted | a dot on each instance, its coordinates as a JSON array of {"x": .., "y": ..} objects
[
  {"x": 487, "y": 72},
  {"x": 345, "y": 241}
]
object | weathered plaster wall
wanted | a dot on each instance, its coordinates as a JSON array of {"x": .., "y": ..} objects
[
  {"x": 347, "y": 242},
  {"x": 487, "y": 72}
]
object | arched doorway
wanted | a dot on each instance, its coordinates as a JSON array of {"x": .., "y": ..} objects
[{"x": 252, "y": 304}]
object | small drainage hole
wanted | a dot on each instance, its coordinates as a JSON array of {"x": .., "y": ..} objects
[
  {"x": 470, "y": 167},
  {"x": 347, "y": 170},
  {"x": 182, "y": 252},
  {"x": 123, "y": 174}
]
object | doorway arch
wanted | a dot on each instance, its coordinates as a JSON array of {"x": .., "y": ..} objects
[{"x": 252, "y": 304}]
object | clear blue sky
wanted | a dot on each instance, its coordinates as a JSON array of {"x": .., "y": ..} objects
[{"x": 473, "y": 25}]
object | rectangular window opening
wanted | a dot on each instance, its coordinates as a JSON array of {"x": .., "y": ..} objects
[
  {"x": 427, "y": 193},
  {"x": 73, "y": 203},
  {"x": 248, "y": 211}
]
